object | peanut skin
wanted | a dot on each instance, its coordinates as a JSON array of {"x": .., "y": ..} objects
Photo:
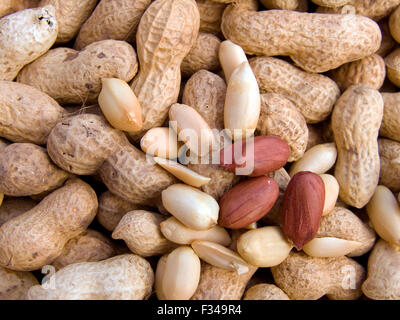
[
  {"x": 314, "y": 95},
  {"x": 26, "y": 169},
  {"x": 124, "y": 277},
  {"x": 71, "y": 76},
  {"x": 37, "y": 237},
  {"x": 162, "y": 45},
  {"x": 271, "y": 33},
  {"x": 112, "y": 19},
  {"x": 356, "y": 119},
  {"x": 41, "y": 113},
  {"x": 25, "y": 36}
]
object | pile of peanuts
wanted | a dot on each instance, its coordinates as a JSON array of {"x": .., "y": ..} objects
[{"x": 204, "y": 150}]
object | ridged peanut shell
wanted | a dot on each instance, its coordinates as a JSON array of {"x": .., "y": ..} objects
[
  {"x": 390, "y": 127},
  {"x": 369, "y": 71},
  {"x": 306, "y": 278},
  {"x": 40, "y": 113},
  {"x": 313, "y": 94},
  {"x": 37, "y": 237},
  {"x": 394, "y": 26},
  {"x": 203, "y": 55},
  {"x": 71, "y": 76},
  {"x": 344, "y": 224},
  {"x": 220, "y": 284},
  {"x": 10, "y": 6},
  {"x": 280, "y": 117},
  {"x": 389, "y": 154},
  {"x": 13, "y": 207},
  {"x": 111, "y": 210},
  {"x": 210, "y": 15},
  {"x": 331, "y": 3},
  {"x": 124, "y": 277},
  {"x": 25, "y": 36},
  {"x": 264, "y": 291},
  {"x": 392, "y": 62},
  {"x": 70, "y": 15},
  {"x": 383, "y": 281},
  {"x": 376, "y": 9},
  {"x": 356, "y": 119},
  {"x": 130, "y": 175},
  {"x": 89, "y": 246},
  {"x": 26, "y": 169},
  {"x": 298, "y": 5},
  {"x": 80, "y": 144},
  {"x": 141, "y": 232},
  {"x": 14, "y": 285},
  {"x": 205, "y": 92},
  {"x": 321, "y": 42},
  {"x": 221, "y": 179},
  {"x": 111, "y": 19},
  {"x": 167, "y": 31}
]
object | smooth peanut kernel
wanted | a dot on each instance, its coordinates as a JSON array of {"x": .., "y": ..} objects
[
  {"x": 330, "y": 247},
  {"x": 120, "y": 105}
]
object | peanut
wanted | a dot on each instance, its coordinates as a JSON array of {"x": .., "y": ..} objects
[
  {"x": 121, "y": 19},
  {"x": 177, "y": 232},
  {"x": 344, "y": 224},
  {"x": 331, "y": 192},
  {"x": 383, "y": 273},
  {"x": 25, "y": 36},
  {"x": 111, "y": 210},
  {"x": 388, "y": 42},
  {"x": 299, "y": 5},
  {"x": 394, "y": 21},
  {"x": 242, "y": 103},
  {"x": 210, "y": 15},
  {"x": 392, "y": 62},
  {"x": 141, "y": 232},
  {"x": 13, "y": 207},
  {"x": 70, "y": 14},
  {"x": 161, "y": 142},
  {"x": 181, "y": 274},
  {"x": 26, "y": 169},
  {"x": 14, "y": 285},
  {"x": 376, "y": 10},
  {"x": 270, "y": 33},
  {"x": 264, "y": 247},
  {"x": 41, "y": 113},
  {"x": 384, "y": 212},
  {"x": 389, "y": 152},
  {"x": 390, "y": 127},
  {"x": 48, "y": 220},
  {"x": 313, "y": 94},
  {"x": 369, "y": 71},
  {"x": 195, "y": 209},
  {"x": 89, "y": 246},
  {"x": 124, "y": 277},
  {"x": 203, "y": 55},
  {"x": 220, "y": 284},
  {"x": 10, "y": 6},
  {"x": 357, "y": 167},
  {"x": 319, "y": 159},
  {"x": 330, "y": 247},
  {"x": 307, "y": 278},
  {"x": 120, "y": 105},
  {"x": 231, "y": 56},
  {"x": 71, "y": 76},
  {"x": 264, "y": 291},
  {"x": 161, "y": 48},
  {"x": 331, "y": 3},
  {"x": 280, "y": 117}
]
